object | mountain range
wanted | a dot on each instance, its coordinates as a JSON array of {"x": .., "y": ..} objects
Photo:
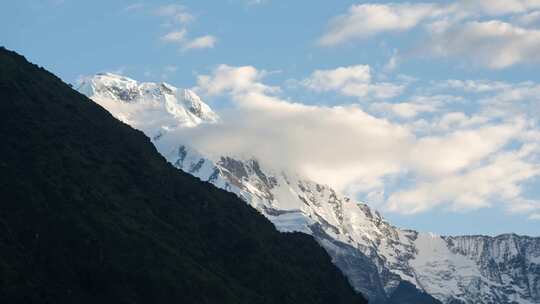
[
  {"x": 383, "y": 262},
  {"x": 90, "y": 212}
]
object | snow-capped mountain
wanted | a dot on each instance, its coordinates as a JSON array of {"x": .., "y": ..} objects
[
  {"x": 376, "y": 256},
  {"x": 154, "y": 108},
  {"x": 360, "y": 242},
  {"x": 385, "y": 263}
]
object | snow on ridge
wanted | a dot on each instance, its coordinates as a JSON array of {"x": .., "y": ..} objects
[
  {"x": 154, "y": 108},
  {"x": 471, "y": 269},
  {"x": 448, "y": 268}
]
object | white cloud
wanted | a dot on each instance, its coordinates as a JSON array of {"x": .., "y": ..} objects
[
  {"x": 526, "y": 91},
  {"x": 459, "y": 29},
  {"x": 235, "y": 80},
  {"x": 496, "y": 7},
  {"x": 393, "y": 62},
  {"x": 174, "y": 36},
  {"x": 464, "y": 162},
  {"x": 203, "y": 42},
  {"x": 404, "y": 109},
  {"x": 521, "y": 99},
  {"x": 352, "y": 81},
  {"x": 499, "y": 98},
  {"x": 175, "y": 13},
  {"x": 459, "y": 120},
  {"x": 471, "y": 162},
  {"x": 477, "y": 86},
  {"x": 365, "y": 20},
  {"x": 457, "y": 150},
  {"x": 380, "y": 90},
  {"x": 134, "y": 7},
  {"x": 494, "y": 44},
  {"x": 535, "y": 217},
  {"x": 314, "y": 136},
  {"x": 324, "y": 80},
  {"x": 499, "y": 180},
  {"x": 326, "y": 143}
]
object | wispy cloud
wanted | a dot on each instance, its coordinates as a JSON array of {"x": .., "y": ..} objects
[
  {"x": 456, "y": 144},
  {"x": 468, "y": 160},
  {"x": 174, "y": 36},
  {"x": 179, "y": 17},
  {"x": 255, "y": 2},
  {"x": 135, "y": 7},
  {"x": 494, "y": 44},
  {"x": 464, "y": 29},
  {"x": 352, "y": 81},
  {"x": 175, "y": 13},
  {"x": 535, "y": 217},
  {"x": 203, "y": 42},
  {"x": 366, "y": 20}
]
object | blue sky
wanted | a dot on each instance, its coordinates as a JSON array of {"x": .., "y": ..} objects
[{"x": 450, "y": 88}]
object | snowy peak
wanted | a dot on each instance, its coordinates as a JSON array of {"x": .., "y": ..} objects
[
  {"x": 377, "y": 257},
  {"x": 112, "y": 86},
  {"x": 196, "y": 106},
  {"x": 351, "y": 232},
  {"x": 155, "y": 108},
  {"x": 380, "y": 260},
  {"x": 122, "y": 88}
]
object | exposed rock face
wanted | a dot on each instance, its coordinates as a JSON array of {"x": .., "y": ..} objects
[
  {"x": 372, "y": 253},
  {"x": 92, "y": 213},
  {"x": 381, "y": 261},
  {"x": 154, "y": 108}
]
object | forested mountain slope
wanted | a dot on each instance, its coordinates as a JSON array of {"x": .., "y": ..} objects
[{"x": 91, "y": 213}]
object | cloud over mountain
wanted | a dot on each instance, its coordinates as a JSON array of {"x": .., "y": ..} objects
[{"x": 468, "y": 161}]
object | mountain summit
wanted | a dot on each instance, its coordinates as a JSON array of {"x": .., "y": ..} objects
[
  {"x": 383, "y": 262},
  {"x": 91, "y": 213},
  {"x": 159, "y": 107}
]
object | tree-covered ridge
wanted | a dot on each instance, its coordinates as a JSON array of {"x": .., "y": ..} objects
[{"x": 91, "y": 213}]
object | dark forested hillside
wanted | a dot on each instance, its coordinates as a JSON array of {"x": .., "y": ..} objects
[{"x": 91, "y": 213}]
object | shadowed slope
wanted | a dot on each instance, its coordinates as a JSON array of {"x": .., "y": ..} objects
[{"x": 91, "y": 213}]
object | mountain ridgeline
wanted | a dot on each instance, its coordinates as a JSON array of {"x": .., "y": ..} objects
[
  {"x": 91, "y": 213},
  {"x": 387, "y": 264}
]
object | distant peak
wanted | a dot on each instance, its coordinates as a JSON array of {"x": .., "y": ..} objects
[
  {"x": 114, "y": 76},
  {"x": 169, "y": 107}
]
